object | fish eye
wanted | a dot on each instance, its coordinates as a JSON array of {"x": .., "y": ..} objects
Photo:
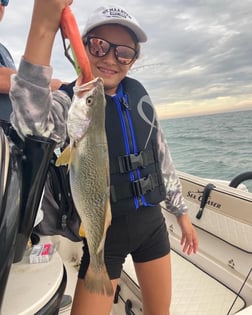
[{"x": 89, "y": 100}]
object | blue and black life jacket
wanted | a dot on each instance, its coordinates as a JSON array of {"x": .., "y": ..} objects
[{"x": 131, "y": 128}]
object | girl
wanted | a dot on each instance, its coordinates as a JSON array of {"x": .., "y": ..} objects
[{"x": 141, "y": 170}]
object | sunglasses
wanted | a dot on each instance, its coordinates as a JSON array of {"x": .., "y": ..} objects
[
  {"x": 4, "y": 3},
  {"x": 99, "y": 47}
]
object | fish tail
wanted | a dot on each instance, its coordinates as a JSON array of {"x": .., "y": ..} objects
[{"x": 98, "y": 282}]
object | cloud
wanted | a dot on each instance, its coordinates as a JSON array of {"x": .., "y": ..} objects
[{"x": 197, "y": 58}]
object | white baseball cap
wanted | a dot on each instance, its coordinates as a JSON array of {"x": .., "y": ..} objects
[{"x": 114, "y": 14}]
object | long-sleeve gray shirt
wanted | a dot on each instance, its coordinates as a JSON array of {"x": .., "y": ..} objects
[{"x": 38, "y": 111}]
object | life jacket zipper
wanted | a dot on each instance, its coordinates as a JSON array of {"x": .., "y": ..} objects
[{"x": 129, "y": 138}]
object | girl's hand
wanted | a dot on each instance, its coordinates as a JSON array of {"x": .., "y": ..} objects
[
  {"x": 47, "y": 13},
  {"x": 189, "y": 239},
  {"x": 45, "y": 23}
]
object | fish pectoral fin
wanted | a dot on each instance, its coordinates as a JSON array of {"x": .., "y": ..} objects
[
  {"x": 107, "y": 222},
  {"x": 66, "y": 157}
]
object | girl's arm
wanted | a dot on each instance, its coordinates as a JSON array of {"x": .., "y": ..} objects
[{"x": 37, "y": 111}]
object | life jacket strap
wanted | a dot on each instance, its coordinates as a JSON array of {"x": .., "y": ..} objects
[
  {"x": 130, "y": 162},
  {"x": 137, "y": 188}
]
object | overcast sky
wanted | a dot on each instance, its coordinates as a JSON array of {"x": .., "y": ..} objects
[{"x": 198, "y": 58}]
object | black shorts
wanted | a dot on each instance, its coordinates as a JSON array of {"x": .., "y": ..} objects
[{"x": 142, "y": 233}]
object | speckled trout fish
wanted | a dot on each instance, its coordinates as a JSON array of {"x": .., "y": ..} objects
[{"x": 88, "y": 164}]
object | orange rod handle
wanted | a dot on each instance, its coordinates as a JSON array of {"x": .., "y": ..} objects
[{"x": 70, "y": 31}]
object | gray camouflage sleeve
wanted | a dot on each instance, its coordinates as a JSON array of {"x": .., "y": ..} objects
[
  {"x": 174, "y": 199},
  {"x": 36, "y": 110}
]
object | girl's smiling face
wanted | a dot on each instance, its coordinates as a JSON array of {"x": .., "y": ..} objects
[{"x": 107, "y": 67}]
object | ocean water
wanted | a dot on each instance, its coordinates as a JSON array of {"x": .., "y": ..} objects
[{"x": 215, "y": 146}]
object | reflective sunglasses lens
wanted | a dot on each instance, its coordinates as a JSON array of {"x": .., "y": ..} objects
[
  {"x": 98, "y": 47},
  {"x": 125, "y": 54}
]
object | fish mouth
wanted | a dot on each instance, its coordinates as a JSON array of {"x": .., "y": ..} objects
[
  {"x": 86, "y": 87},
  {"x": 92, "y": 84}
]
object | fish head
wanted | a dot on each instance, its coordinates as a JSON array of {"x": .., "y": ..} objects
[{"x": 85, "y": 103}]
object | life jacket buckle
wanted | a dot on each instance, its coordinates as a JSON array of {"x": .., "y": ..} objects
[
  {"x": 130, "y": 162},
  {"x": 142, "y": 186}
]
